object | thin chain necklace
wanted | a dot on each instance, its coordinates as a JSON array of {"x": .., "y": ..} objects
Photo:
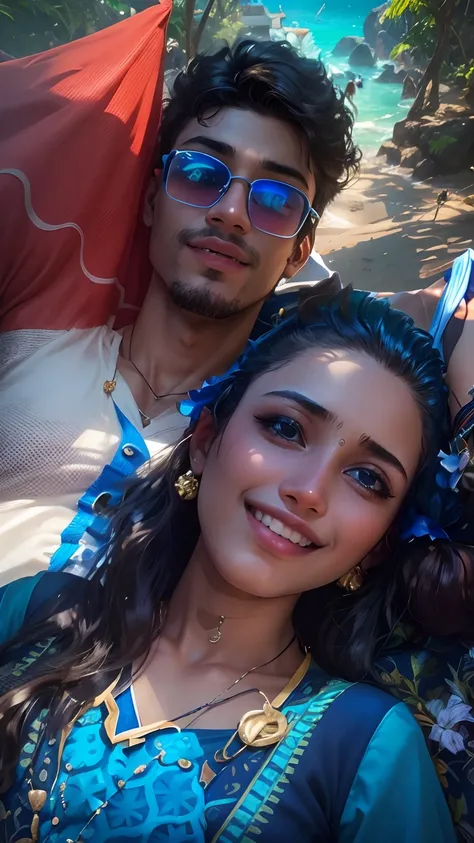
[
  {"x": 139, "y": 372},
  {"x": 214, "y": 702}
]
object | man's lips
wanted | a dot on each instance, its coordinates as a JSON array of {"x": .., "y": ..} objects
[{"x": 220, "y": 247}]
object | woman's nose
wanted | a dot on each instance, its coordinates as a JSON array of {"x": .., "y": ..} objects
[
  {"x": 306, "y": 494},
  {"x": 231, "y": 212}
]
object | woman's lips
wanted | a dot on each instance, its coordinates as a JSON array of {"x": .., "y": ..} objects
[{"x": 274, "y": 542}]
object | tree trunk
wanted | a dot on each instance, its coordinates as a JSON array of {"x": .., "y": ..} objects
[
  {"x": 201, "y": 26},
  {"x": 188, "y": 28},
  {"x": 432, "y": 72}
]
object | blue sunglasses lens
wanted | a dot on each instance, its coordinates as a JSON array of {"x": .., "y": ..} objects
[
  {"x": 276, "y": 207},
  {"x": 195, "y": 178},
  {"x": 200, "y": 180}
]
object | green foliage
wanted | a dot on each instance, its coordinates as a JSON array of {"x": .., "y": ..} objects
[
  {"x": 229, "y": 29},
  {"x": 439, "y": 145},
  {"x": 29, "y": 26},
  {"x": 398, "y": 8},
  {"x": 399, "y": 49},
  {"x": 176, "y": 26}
]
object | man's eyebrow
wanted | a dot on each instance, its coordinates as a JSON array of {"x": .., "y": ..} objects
[
  {"x": 285, "y": 170},
  {"x": 308, "y": 404},
  {"x": 226, "y": 149},
  {"x": 379, "y": 451},
  {"x": 212, "y": 144}
]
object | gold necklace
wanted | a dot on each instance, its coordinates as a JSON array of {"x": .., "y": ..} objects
[{"x": 256, "y": 728}]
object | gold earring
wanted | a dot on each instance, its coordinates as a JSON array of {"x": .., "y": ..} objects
[
  {"x": 187, "y": 486},
  {"x": 353, "y": 580}
]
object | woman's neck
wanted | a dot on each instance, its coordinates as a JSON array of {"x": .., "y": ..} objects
[{"x": 253, "y": 630}]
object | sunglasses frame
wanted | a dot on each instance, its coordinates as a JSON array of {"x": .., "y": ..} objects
[{"x": 310, "y": 212}]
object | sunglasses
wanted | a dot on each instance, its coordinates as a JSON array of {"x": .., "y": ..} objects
[{"x": 200, "y": 180}]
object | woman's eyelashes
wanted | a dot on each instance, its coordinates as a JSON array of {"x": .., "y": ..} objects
[
  {"x": 371, "y": 480},
  {"x": 283, "y": 427},
  {"x": 288, "y": 430}
]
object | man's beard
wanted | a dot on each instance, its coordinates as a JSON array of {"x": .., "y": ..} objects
[{"x": 202, "y": 302}]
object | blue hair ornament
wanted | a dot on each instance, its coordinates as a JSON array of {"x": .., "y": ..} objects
[
  {"x": 415, "y": 526},
  {"x": 211, "y": 390}
]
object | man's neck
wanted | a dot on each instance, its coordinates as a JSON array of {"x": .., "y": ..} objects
[{"x": 177, "y": 350}]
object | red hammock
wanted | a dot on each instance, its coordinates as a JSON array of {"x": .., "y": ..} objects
[{"x": 78, "y": 129}]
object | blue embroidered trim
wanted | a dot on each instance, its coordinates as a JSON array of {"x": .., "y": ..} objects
[
  {"x": 131, "y": 453},
  {"x": 241, "y": 828}
]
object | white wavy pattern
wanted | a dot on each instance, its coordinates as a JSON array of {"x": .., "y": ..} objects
[{"x": 45, "y": 226}]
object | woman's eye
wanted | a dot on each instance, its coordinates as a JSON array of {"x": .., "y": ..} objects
[
  {"x": 283, "y": 427},
  {"x": 371, "y": 480}
]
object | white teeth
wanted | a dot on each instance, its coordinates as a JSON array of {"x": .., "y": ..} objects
[
  {"x": 280, "y": 529},
  {"x": 220, "y": 253}
]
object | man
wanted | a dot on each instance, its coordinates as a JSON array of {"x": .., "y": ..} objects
[{"x": 253, "y": 145}]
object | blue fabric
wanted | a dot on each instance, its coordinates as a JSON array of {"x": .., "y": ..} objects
[
  {"x": 128, "y": 717},
  {"x": 285, "y": 789},
  {"x": 14, "y": 600},
  {"x": 459, "y": 285},
  {"x": 419, "y": 812},
  {"x": 131, "y": 453}
]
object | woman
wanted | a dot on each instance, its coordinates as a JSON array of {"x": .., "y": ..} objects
[{"x": 256, "y": 562}]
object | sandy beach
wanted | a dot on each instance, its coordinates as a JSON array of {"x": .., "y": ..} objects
[{"x": 380, "y": 233}]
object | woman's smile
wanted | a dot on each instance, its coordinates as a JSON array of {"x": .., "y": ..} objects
[{"x": 278, "y": 535}]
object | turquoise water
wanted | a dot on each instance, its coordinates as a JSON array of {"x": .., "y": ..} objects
[{"x": 378, "y": 105}]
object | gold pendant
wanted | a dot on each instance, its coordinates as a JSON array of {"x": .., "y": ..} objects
[
  {"x": 109, "y": 386},
  {"x": 217, "y": 634},
  {"x": 263, "y": 728},
  {"x": 257, "y": 728}
]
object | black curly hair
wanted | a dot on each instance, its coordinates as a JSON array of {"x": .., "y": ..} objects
[{"x": 272, "y": 79}]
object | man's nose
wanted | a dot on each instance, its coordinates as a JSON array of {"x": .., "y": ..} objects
[{"x": 231, "y": 212}]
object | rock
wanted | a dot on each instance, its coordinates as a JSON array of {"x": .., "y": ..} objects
[
  {"x": 334, "y": 72},
  {"x": 411, "y": 157},
  {"x": 406, "y": 133},
  {"x": 450, "y": 143},
  {"x": 469, "y": 200},
  {"x": 391, "y": 76},
  {"x": 426, "y": 169},
  {"x": 392, "y": 153},
  {"x": 362, "y": 56},
  {"x": 396, "y": 28},
  {"x": 372, "y": 25},
  {"x": 384, "y": 45},
  {"x": 345, "y": 46},
  {"x": 409, "y": 88}
]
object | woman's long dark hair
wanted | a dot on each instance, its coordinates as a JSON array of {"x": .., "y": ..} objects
[{"x": 113, "y": 624}]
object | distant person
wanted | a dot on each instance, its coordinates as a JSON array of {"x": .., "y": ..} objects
[{"x": 349, "y": 94}]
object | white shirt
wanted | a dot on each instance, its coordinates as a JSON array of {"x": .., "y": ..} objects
[{"x": 58, "y": 429}]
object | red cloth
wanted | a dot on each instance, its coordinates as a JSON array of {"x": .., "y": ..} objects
[{"x": 78, "y": 129}]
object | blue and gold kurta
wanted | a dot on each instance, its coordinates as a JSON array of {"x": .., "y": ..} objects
[{"x": 353, "y": 768}]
